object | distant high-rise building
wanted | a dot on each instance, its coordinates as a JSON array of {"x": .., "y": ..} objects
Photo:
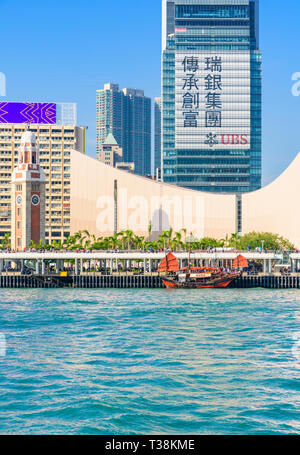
[
  {"x": 111, "y": 153},
  {"x": 157, "y": 134},
  {"x": 66, "y": 114},
  {"x": 211, "y": 95},
  {"x": 127, "y": 115}
]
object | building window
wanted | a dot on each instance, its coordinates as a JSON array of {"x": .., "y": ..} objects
[
  {"x": 56, "y": 234},
  {"x": 19, "y": 241}
]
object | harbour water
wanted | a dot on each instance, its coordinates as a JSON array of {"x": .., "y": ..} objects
[{"x": 150, "y": 361}]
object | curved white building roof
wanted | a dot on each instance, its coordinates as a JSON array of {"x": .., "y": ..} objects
[{"x": 142, "y": 201}]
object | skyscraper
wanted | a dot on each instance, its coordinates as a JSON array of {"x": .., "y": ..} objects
[
  {"x": 157, "y": 134},
  {"x": 127, "y": 115},
  {"x": 211, "y": 95}
]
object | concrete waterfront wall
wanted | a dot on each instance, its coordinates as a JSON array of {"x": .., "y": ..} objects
[{"x": 138, "y": 282}]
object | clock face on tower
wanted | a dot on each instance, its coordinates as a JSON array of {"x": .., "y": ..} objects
[
  {"x": 35, "y": 200},
  {"x": 19, "y": 200}
]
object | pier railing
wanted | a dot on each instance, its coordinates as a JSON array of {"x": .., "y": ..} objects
[{"x": 136, "y": 281}]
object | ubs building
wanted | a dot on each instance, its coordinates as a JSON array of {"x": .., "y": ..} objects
[{"x": 211, "y": 95}]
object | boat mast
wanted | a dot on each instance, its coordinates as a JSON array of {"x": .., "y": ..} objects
[{"x": 189, "y": 259}]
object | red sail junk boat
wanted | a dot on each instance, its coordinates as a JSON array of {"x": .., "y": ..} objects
[{"x": 194, "y": 277}]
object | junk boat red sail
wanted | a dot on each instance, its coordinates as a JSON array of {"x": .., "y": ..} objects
[{"x": 194, "y": 277}]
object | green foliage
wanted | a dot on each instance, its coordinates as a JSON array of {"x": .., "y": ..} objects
[
  {"x": 208, "y": 242},
  {"x": 268, "y": 240},
  {"x": 6, "y": 242},
  {"x": 168, "y": 239}
]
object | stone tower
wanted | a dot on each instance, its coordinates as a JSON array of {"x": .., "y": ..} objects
[{"x": 28, "y": 196}]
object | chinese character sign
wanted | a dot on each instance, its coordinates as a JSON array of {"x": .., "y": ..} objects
[
  {"x": 213, "y": 87},
  {"x": 191, "y": 94},
  {"x": 212, "y": 100}
]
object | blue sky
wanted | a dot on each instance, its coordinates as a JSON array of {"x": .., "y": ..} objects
[{"x": 64, "y": 50}]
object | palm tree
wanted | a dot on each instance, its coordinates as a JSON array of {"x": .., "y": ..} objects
[
  {"x": 75, "y": 241},
  {"x": 113, "y": 241},
  {"x": 32, "y": 244},
  {"x": 224, "y": 242},
  {"x": 154, "y": 245},
  {"x": 86, "y": 238},
  {"x": 184, "y": 231},
  {"x": 177, "y": 241},
  {"x": 166, "y": 237},
  {"x": 69, "y": 242},
  {"x": 123, "y": 238},
  {"x": 99, "y": 243},
  {"x": 130, "y": 238},
  {"x": 57, "y": 245},
  {"x": 234, "y": 240},
  {"x": 139, "y": 241},
  {"x": 6, "y": 241},
  {"x": 169, "y": 236}
]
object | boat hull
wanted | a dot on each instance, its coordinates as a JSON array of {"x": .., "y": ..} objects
[{"x": 218, "y": 283}]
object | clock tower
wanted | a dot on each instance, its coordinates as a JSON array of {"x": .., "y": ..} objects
[{"x": 27, "y": 196}]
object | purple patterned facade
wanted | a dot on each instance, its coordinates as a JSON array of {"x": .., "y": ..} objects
[{"x": 28, "y": 113}]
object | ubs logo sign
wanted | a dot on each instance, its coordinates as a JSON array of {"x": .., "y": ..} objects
[
  {"x": 226, "y": 139},
  {"x": 234, "y": 139},
  {"x": 2, "y": 84}
]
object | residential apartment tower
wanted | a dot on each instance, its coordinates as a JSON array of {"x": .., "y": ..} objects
[{"x": 127, "y": 115}]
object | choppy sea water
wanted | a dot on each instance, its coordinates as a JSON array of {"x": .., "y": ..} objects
[{"x": 150, "y": 361}]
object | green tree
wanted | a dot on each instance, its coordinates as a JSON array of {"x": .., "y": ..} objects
[
  {"x": 269, "y": 241},
  {"x": 234, "y": 241},
  {"x": 208, "y": 242},
  {"x": 6, "y": 241},
  {"x": 165, "y": 238}
]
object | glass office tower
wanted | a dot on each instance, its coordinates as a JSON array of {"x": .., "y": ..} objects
[
  {"x": 127, "y": 115},
  {"x": 211, "y": 95}
]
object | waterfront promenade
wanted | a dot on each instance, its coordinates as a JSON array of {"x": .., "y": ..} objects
[
  {"x": 112, "y": 261},
  {"x": 133, "y": 269}
]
